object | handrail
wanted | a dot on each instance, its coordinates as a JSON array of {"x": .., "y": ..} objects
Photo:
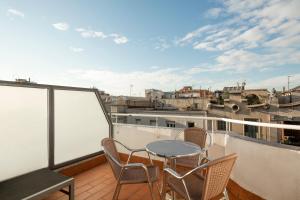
[{"x": 262, "y": 124}]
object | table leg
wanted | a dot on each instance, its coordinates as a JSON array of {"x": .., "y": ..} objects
[{"x": 173, "y": 166}]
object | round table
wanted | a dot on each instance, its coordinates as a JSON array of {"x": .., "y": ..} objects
[{"x": 173, "y": 148}]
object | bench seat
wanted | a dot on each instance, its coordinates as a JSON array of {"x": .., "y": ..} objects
[{"x": 36, "y": 185}]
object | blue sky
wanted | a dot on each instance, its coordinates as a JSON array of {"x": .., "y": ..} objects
[{"x": 151, "y": 44}]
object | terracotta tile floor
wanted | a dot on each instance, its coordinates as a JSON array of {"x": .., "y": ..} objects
[{"x": 99, "y": 183}]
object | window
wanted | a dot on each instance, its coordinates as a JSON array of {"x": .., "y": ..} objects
[
  {"x": 221, "y": 125},
  {"x": 152, "y": 122},
  {"x": 251, "y": 131},
  {"x": 170, "y": 124},
  {"x": 138, "y": 121},
  {"x": 190, "y": 124}
]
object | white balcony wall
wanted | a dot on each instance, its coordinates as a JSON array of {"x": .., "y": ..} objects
[
  {"x": 136, "y": 136},
  {"x": 80, "y": 125},
  {"x": 23, "y": 130},
  {"x": 268, "y": 171}
]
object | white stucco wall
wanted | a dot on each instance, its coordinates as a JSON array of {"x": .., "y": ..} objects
[{"x": 268, "y": 171}]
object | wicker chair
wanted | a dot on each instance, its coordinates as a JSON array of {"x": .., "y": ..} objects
[
  {"x": 196, "y": 136},
  {"x": 129, "y": 173},
  {"x": 193, "y": 185}
]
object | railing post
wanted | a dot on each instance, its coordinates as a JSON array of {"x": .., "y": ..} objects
[
  {"x": 116, "y": 119},
  {"x": 51, "y": 129},
  {"x": 212, "y": 131},
  {"x": 156, "y": 127},
  {"x": 227, "y": 127}
]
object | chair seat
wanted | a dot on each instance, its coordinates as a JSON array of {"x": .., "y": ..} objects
[
  {"x": 188, "y": 161},
  {"x": 194, "y": 183},
  {"x": 138, "y": 175}
]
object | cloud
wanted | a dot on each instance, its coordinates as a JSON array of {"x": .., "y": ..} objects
[
  {"x": 194, "y": 34},
  {"x": 255, "y": 34},
  {"x": 161, "y": 44},
  {"x": 15, "y": 13},
  {"x": 118, "y": 82},
  {"x": 76, "y": 49},
  {"x": 240, "y": 61},
  {"x": 213, "y": 12},
  {"x": 89, "y": 33},
  {"x": 119, "y": 39},
  {"x": 62, "y": 26},
  {"x": 276, "y": 82}
]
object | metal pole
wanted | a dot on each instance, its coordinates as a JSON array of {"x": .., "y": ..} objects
[
  {"x": 131, "y": 88},
  {"x": 212, "y": 131},
  {"x": 156, "y": 127},
  {"x": 227, "y": 127},
  {"x": 289, "y": 82}
]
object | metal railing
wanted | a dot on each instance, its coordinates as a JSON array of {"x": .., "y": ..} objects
[{"x": 209, "y": 123}]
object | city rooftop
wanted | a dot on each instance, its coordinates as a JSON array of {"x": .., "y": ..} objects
[{"x": 135, "y": 100}]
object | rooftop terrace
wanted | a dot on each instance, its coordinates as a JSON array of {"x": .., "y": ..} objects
[{"x": 60, "y": 128}]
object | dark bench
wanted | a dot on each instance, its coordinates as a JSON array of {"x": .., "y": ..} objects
[{"x": 36, "y": 185}]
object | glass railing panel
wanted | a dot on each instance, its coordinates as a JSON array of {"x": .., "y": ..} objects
[
  {"x": 80, "y": 124},
  {"x": 23, "y": 130}
]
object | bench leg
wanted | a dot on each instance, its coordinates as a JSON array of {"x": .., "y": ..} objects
[{"x": 71, "y": 191}]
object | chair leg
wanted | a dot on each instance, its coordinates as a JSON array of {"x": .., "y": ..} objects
[
  {"x": 117, "y": 191},
  {"x": 158, "y": 190},
  {"x": 151, "y": 190},
  {"x": 164, "y": 188},
  {"x": 226, "y": 194}
]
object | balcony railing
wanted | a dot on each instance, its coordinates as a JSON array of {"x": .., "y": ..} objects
[
  {"x": 48, "y": 126},
  {"x": 267, "y": 169},
  {"x": 266, "y": 131}
]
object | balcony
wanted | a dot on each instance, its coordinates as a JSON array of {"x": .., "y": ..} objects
[{"x": 61, "y": 128}]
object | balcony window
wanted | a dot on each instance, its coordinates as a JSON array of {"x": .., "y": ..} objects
[
  {"x": 190, "y": 124},
  {"x": 138, "y": 121},
  {"x": 251, "y": 131},
  {"x": 152, "y": 122},
  {"x": 170, "y": 124},
  {"x": 221, "y": 125}
]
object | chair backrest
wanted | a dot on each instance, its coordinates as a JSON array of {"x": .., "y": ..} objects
[
  {"x": 112, "y": 155},
  {"x": 217, "y": 176},
  {"x": 195, "y": 135}
]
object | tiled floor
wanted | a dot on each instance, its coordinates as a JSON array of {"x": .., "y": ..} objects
[{"x": 99, "y": 183}]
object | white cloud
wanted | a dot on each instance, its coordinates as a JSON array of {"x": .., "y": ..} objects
[
  {"x": 276, "y": 82},
  {"x": 62, "y": 26},
  {"x": 256, "y": 34},
  {"x": 194, "y": 34},
  {"x": 76, "y": 49},
  {"x": 161, "y": 44},
  {"x": 15, "y": 13},
  {"x": 118, "y": 82},
  {"x": 239, "y": 61},
  {"x": 89, "y": 33},
  {"x": 213, "y": 12},
  {"x": 119, "y": 39}
]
